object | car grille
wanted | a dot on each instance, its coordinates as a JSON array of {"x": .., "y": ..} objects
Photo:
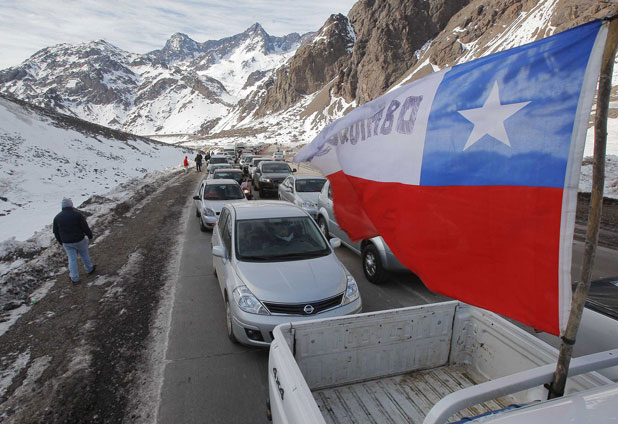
[{"x": 299, "y": 308}]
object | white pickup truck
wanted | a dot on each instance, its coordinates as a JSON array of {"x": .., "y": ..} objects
[{"x": 428, "y": 364}]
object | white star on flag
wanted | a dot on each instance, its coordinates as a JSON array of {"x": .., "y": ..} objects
[{"x": 490, "y": 118}]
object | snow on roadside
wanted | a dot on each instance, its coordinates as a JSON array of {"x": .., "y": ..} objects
[{"x": 30, "y": 268}]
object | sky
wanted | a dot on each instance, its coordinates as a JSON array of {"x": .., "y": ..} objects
[{"x": 139, "y": 26}]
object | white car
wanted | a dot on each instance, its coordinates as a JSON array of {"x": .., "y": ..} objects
[
  {"x": 278, "y": 156},
  {"x": 302, "y": 190},
  {"x": 212, "y": 196},
  {"x": 275, "y": 266}
]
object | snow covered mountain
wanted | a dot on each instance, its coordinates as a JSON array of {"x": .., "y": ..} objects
[
  {"x": 393, "y": 43},
  {"x": 46, "y": 156},
  {"x": 183, "y": 88}
]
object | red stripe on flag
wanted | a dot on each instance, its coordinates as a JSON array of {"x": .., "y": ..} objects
[{"x": 496, "y": 247}]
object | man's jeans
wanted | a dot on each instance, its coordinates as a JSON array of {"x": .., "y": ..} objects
[{"x": 73, "y": 249}]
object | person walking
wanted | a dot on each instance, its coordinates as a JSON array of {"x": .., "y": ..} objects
[
  {"x": 198, "y": 161},
  {"x": 186, "y": 164},
  {"x": 71, "y": 229}
]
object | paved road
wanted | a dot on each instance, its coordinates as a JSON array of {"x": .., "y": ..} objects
[{"x": 210, "y": 380}]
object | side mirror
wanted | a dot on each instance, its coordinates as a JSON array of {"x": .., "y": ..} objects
[
  {"x": 334, "y": 243},
  {"x": 293, "y": 169},
  {"x": 218, "y": 251},
  {"x": 196, "y": 197}
]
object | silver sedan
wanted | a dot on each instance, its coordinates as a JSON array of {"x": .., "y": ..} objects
[
  {"x": 274, "y": 266},
  {"x": 302, "y": 190}
]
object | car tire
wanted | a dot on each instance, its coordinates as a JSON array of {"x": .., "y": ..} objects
[
  {"x": 323, "y": 227},
  {"x": 202, "y": 226},
  {"x": 228, "y": 322},
  {"x": 372, "y": 265}
]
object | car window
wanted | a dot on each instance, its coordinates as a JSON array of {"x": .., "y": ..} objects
[
  {"x": 238, "y": 176},
  {"x": 276, "y": 167},
  {"x": 222, "y": 220},
  {"x": 279, "y": 239},
  {"x": 218, "y": 159},
  {"x": 227, "y": 236},
  {"x": 310, "y": 185},
  {"x": 222, "y": 192}
]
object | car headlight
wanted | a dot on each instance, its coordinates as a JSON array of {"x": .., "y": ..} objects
[
  {"x": 247, "y": 302},
  {"x": 209, "y": 212},
  {"x": 351, "y": 291},
  {"x": 266, "y": 180}
]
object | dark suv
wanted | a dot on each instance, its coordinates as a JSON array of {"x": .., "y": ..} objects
[{"x": 269, "y": 174}]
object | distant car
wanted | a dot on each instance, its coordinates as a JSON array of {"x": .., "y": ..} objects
[
  {"x": 269, "y": 175},
  {"x": 245, "y": 161},
  {"x": 377, "y": 258},
  {"x": 212, "y": 196},
  {"x": 274, "y": 266},
  {"x": 254, "y": 164},
  {"x": 216, "y": 160},
  {"x": 212, "y": 168},
  {"x": 278, "y": 156},
  {"x": 229, "y": 174},
  {"x": 302, "y": 190}
]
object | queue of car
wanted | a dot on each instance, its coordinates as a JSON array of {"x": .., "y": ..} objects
[{"x": 274, "y": 260}]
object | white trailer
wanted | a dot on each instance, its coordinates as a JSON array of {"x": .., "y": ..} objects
[{"x": 430, "y": 363}]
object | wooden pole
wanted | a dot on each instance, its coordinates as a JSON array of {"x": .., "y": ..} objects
[{"x": 556, "y": 389}]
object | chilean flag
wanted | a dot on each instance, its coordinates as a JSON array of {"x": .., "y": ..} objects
[{"x": 471, "y": 173}]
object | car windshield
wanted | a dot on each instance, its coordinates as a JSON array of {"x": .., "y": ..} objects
[
  {"x": 310, "y": 185},
  {"x": 256, "y": 161},
  {"x": 222, "y": 192},
  {"x": 279, "y": 239},
  {"x": 276, "y": 168},
  {"x": 221, "y": 166},
  {"x": 218, "y": 159},
  {"x": 237, "y": 176}
]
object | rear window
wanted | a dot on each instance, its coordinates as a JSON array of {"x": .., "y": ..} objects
[
  {"x": 310, "y": 185},
  {"x": 276, "y": 168},
  {"x": 219, "y": 159},
  {"x": 222, "y": 192}
]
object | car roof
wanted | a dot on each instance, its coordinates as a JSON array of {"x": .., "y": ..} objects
[
  {"x": 266, "y": 209},
  {"x": 219, "y": 181}
]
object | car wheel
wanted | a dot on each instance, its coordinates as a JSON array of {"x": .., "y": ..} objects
[
  {"x": 202, "y": 226},
  {"x": 323, "y": 226},
  {"x": 228, "y": 321},
  {"x": 372, "y": 265}
]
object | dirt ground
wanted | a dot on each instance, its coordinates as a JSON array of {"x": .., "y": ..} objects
[
  {"x": 87, "y": 350},
  {"x": 86, "y": 345}
]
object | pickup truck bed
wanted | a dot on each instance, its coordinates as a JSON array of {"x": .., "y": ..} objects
[
  {"x": 394, "y": 366},
  {"x": 404, "y": 398}
]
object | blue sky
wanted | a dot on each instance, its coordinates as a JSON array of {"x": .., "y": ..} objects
[{"x": 139, "y": 26}]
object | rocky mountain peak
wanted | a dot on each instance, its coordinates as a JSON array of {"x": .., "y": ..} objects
[{"x": 179, "y": 42}]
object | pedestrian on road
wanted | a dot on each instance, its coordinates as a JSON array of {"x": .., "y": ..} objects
[
  {"x": 198, "y": 162},
  {"x": 186, "y": 164},
  {"x": 71, "y": 230}
]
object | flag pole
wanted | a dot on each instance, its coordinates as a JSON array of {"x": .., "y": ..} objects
[{"x": 556, "y": 388}]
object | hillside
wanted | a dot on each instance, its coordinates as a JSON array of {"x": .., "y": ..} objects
[{"x": 46, "y": 156}]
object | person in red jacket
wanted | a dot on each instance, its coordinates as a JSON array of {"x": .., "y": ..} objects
[{"x": 186, "y": 164}]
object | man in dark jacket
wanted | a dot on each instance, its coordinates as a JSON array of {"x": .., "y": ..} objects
[{"x": 71, "y": 230}]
